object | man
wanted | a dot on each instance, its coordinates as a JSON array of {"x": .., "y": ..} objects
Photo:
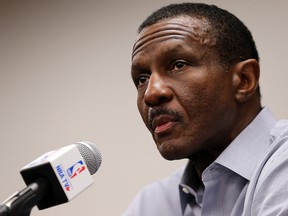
[{"x": 196, "y": 69}]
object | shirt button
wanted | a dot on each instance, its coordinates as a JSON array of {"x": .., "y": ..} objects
[{"x": 185, "y": 190}]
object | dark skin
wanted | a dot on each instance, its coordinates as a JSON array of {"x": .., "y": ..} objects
[{"x": 192, "y": 105}]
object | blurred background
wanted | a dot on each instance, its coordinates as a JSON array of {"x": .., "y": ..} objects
[{"x": 65, "y": 77}]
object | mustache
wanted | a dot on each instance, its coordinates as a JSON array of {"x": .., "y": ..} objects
[{"x": 163, "y": 111}]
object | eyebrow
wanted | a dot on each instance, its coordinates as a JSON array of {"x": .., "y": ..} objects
[{"x": 177, "y": 50}]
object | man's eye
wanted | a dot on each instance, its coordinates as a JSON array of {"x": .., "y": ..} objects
[
  {"x": 141, "y": 79},
  {"x": 179, "y": 65}
]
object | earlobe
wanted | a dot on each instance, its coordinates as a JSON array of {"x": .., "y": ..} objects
[{"x": 246, "y": 77}]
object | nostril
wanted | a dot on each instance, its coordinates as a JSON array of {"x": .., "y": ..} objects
[
  {"x": 163, "y": 99},
  {"x": 149, "y": 104}
]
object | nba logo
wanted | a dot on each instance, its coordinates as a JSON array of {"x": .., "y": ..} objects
[{"x": 76, "y": 169}]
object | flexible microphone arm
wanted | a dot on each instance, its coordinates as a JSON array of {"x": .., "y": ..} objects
[{"x": 22, "y": 202}]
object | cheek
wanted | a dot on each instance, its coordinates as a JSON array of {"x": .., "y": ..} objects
[
  {"x": 213, "y": 106},
  {"x": 143, "y": 110},
  {"x": 194, "y": 97},
  {"x": 203, "y": 102}
]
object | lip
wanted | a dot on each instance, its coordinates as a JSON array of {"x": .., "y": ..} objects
[{"x": 163, "y": 124}]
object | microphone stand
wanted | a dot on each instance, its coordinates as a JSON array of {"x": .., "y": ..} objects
[{"x": 21, "y": 202}]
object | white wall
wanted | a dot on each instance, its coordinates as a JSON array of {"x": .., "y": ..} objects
[{"x": 65, "y": 77}]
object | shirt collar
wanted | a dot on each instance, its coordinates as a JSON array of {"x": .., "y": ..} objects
[{"x": 247, "y": 149}]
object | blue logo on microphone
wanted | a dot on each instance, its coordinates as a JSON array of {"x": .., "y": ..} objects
[{"x": 76, "y": 169}]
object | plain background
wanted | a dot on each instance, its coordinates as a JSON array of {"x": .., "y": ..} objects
[{"x": 65, "y": 77}]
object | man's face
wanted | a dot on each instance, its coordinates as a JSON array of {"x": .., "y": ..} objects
[{"x": 185, "y": 97}]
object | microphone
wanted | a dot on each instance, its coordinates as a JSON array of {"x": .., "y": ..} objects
[{"x": 54, "y": 178}]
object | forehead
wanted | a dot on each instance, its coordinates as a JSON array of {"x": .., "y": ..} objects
[{"x": 181, "y": 27}]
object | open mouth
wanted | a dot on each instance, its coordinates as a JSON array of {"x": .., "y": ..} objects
[
  {"x": 163, "y": 127},
  {"x": 162, "y": 120},
  {"x": 162, "y": 124}
]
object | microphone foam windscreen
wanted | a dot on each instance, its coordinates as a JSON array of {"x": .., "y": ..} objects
[{"x": 91, "y": 155}]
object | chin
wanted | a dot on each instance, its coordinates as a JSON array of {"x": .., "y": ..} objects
[
  {"x": 171, "y": 153},
  {"x": 172, "y": 158}
]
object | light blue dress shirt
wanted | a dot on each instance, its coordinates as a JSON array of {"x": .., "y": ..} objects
[{"x": 248, "y": 178}]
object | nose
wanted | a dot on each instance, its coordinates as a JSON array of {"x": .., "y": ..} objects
[{"x": 158, "y": 91}]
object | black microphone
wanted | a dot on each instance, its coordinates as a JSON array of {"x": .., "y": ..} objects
[{"x": 54, "y": 178}]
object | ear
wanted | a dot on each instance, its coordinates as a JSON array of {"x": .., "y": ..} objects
[{"x": 245, "y": 79}]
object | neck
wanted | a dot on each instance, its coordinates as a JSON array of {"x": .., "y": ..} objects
[{"x": 201, "y": 160}]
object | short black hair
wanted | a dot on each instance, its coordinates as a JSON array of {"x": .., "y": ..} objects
[{"x": 234, "y": 41}]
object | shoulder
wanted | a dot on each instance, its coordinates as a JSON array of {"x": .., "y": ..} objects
[
  {"x": 276, "y": 161},
  {"x": 277, "y": 154},
  {"x": 268, "y": 189}
]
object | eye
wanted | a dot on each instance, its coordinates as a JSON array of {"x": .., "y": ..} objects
[
  {"x": 141, "y": 79},
  {"x": 178, "y": 65}
]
